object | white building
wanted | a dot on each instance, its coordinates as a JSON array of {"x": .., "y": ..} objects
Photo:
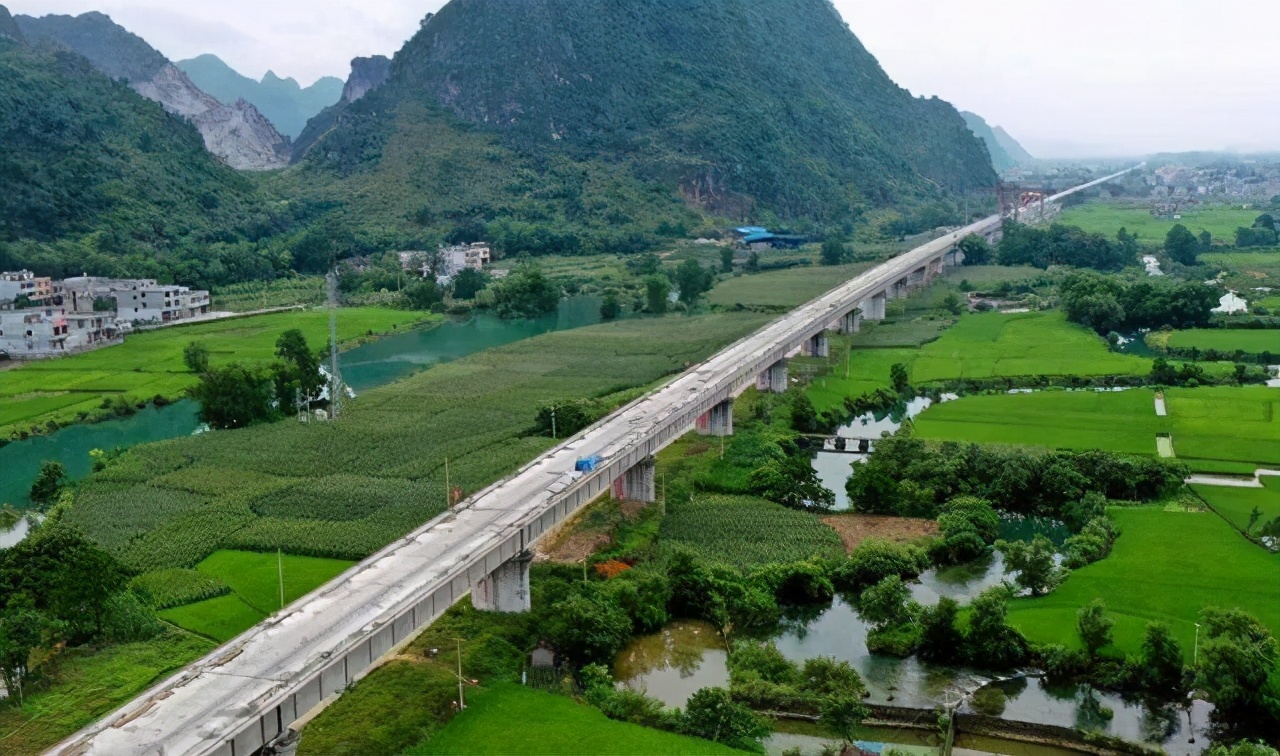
[
  {"x": 138, "y": 300},
  {"x": 24, "y": 283},
  {"x": 36, "y": 332}
]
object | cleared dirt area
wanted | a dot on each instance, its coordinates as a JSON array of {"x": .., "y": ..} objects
[
  {"x": 587, "y": 532},
  {"x": 856, "y": 528}
]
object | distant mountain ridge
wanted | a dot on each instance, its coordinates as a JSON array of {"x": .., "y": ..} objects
[
  {"x": 235, "y": 131},
  {"x": 1005, "y": 151},
  {"x": 283, "y": 101},
  {"x": 748, "y": 107}
]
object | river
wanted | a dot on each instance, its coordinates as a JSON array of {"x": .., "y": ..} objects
[{"x": 364, "y": 367}]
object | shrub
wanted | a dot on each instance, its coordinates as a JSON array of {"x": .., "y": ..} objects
[{"x": 874, "y": 560}]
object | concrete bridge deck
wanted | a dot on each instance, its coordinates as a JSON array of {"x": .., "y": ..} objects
[{"x": 252, "y": 688}]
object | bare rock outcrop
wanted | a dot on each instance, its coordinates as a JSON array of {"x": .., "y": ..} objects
[
  {"x": 366, "y": 74},
  {"x": 238, "y": 134}
]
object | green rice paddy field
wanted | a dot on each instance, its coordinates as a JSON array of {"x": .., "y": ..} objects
[
  {"x": 254, "y": 579},
  {"x": 150, "y": 363},
  {"x": 1238, "y": 504},
  {"x": 783, "y": 289},
  {"x": 1254, "y": 341},
  {"x": 981, "y": 345},
  {"x": 1209, "y": 425},
  {"x": 1108, "y": 218}
]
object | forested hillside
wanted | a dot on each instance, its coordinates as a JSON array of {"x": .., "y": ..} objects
[
  {"x": 98, "y": 179},
  {"x": 752, "y": 109},
  {"x": 1005, "y": 151}
]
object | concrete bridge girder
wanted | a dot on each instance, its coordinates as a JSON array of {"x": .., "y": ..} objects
[
  {"x": 817, "y": 346},
  {"x": 874, "y": 307}
]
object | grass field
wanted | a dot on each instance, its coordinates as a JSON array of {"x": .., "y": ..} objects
[
  {"x": 150, "y": 363},
  {"x": 254, "y": 579},
  {"x": 1238, "y": 504},
  {"x": 1107, "y": 218},
  {"x": 1211, "y": 424},
  {"x": 782, "y": 289},
  {"x": 549, "y": 724},
  {"x": 1247, "y": 270},
  {"x": 1165, "y": 566},
  {"x": 1254, "y": 341},
  {"x": 87, "y": 686},
  {"x": 259, "y": 295},
  {"x": 746, "y": 532}
]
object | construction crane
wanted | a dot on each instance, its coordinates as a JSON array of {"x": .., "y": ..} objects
[{"x": 336, "y": 387}]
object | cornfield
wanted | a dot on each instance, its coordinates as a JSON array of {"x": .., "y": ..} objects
[{"x": 745, "y": 532}]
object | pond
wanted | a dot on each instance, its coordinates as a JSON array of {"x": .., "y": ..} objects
[
  {"x": 834, "y": 467},
  {"x": 363, "y": 367}
]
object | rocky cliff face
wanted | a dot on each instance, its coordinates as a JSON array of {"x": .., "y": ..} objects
[
  {"x": 9, "y": 27},
  {"x": 366, "y": 74},
  {"x": 237, "y": 133}
]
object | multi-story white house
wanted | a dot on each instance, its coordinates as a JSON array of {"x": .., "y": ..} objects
[
  {"x": 139, "y": 300},
  {"x": 35, "y": 332},
  {"x": 24, "y": 283}
]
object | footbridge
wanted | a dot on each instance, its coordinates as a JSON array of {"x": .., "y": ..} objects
[{"x": 252, "y": 689}]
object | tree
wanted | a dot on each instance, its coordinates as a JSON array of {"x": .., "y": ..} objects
[
  {"x": 842, "y": 714},
  {"x": 421, "y": 294},
  {"x": 712, "y": 714},
  {"x": 526, "y": 292},
  {"x": 1094, "y": 625},
  {"x": 833, "y": 251},
  {"x": 48, "y": 484},
  {"x": 1181, "y": 245},
  {"x": 1034, "y": 563},
  {"x": 589, "y": 628},
  {"x": 899, "y": 377},
  {"x": 610, "y": 308},
  {"x": 196, "y": 357},
  {"x": 1236, "y": 660},
  {"x": 656, "y": 291},
  {"x": 692, "y": 281},
  {"x": 953, "y": 303},
  {"x": 1128, "y": 242},
  {"x": 726, "y": 259},
  {"x": 234, "y": 396},
  {"x": 991, "y": 641},
  {"x": 1160, "y": 660},
  {"x": 302, "y": 363},
  {"x": 1265, "y": 221},
  {"x": 753, "y": 262},
  {"x": 22, "y": 630},
  {"x": 468, "y": 283},
  {"x": 940, "y": 638},
  {"x": 1206, "y": 241},
  {"x": 1242, "y": 748},
  {"x": 976, "y": 249},
  {"x": 885, "y": 603},
  {"x": 804, "y": 417}
]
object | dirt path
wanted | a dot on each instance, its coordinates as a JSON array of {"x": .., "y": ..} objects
[{"x": 856, "y": 528}]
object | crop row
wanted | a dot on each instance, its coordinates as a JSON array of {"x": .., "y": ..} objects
[{"x": 745, "y": 532}]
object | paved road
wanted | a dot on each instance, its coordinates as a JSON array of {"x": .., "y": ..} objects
[{"x": 249, "y": 689}]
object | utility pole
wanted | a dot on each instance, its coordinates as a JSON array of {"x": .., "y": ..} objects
[
  {"x": 280, "y": 573},
  {"x": 448, "y": 491},
  {"x": 1195, "y": 655},
  {"x": 462, "y": 701},
  {"x": 553, "y": 423}
]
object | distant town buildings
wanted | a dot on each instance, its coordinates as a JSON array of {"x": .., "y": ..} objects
[{"x": 40, "y": 317}]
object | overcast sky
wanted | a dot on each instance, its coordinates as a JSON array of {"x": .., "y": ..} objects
[{"x": 1067, "y": 79}]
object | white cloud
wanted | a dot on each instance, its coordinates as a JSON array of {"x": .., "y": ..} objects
[{"x": 1084, "y": 77}]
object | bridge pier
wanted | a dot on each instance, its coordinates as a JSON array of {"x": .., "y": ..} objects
[
  {"x": 850, "y": 322},
  {"x": 874, "y": 308},
  {"x": 717, "y": 421},
  {"x": 774, "y": 378},
  {"x": 506, "y": 589},
  {"x": 639, "y": 483},
  {"x": 818, "y": 346}
]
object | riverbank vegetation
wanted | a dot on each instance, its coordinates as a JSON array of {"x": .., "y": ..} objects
[{"x": 40, "y": 395}]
